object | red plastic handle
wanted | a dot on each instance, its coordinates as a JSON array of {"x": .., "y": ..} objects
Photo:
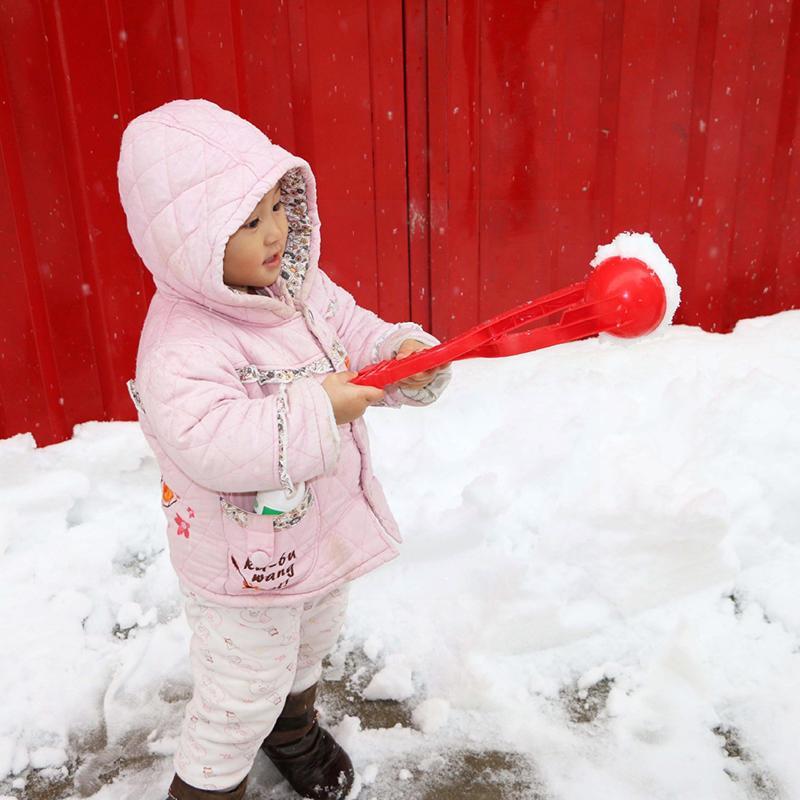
[{"x": 467, "y": 344}]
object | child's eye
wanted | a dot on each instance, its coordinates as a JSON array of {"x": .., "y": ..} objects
[
  {"x": 277, "y": 205},
  {"x": 252, "y": 224}
]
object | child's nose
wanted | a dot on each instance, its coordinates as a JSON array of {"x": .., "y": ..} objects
[{"x": 272, "y": 230}]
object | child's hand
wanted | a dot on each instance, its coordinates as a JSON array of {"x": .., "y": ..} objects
[
  {"x": 349, "y": 400},
  {"x": 421, "y": 379}
]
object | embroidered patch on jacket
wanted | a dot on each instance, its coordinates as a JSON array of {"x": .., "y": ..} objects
[
  {"x": 267, "y": 576},
  {"x": 168, "y": 497},
  {"x": 183, "y": 526},
  {"x": 253, "y": 374}
]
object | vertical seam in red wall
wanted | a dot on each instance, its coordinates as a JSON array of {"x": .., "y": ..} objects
[
  {"x": 614, "y": 221},
  {"x": 118, "y": 55},
  {"x": 288, "y": 141},
  {"x": 127, "y": 111},
  {"x": 301, "y": 89},
  {"x": 476, "y": 113},
  {"x": 407, "y": 156},
  {"x": 183, "y": 63},
  {"x": 427, "y": 165},
  {"x": 79, "y": 205},
  {"x": 783, "y": 152},
  {"x": 406, "y": 128},
  {"x": 604, "y": 194},
  {"x": 437, "y": 25},
  {"x": 659, "y": 45},
  {"x": 375, "y": 221},
  {"x": 727, "y": 322},
  {"x": 416, "y": 109},
  {"x": 554, "y": 233},
  {"x": 242, "y": 106},
  {"x": 443, "y": 264},
  {"x": 36, "y": 301},
  {"x": 698, "y": 144}
]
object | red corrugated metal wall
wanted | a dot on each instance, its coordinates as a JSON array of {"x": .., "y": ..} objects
[
  {"x": 469, "y": 155},
  {"x": 555, "y": 125}
]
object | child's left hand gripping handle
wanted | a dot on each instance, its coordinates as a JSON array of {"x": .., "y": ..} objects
[{"x": 349, "y": 400}]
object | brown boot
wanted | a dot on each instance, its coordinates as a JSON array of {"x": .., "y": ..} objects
[
  {"x": 180, "y": 790},
  {"x": 305, "y": 754}
]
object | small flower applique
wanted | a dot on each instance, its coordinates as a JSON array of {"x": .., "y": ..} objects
[
  {"x": 168, "y": 497},
  {"x": 183, "y": 526}
]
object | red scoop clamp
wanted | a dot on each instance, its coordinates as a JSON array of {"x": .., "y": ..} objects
[{"x": 622, "y": 296}]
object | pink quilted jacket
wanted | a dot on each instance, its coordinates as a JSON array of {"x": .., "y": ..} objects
[{"x": 228, "y": 384}]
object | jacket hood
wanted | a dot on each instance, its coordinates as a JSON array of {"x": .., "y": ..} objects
[{"x": 189, "y": 175}]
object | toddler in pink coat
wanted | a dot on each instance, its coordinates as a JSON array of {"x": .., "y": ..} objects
[{"x": 243, "y": 386}]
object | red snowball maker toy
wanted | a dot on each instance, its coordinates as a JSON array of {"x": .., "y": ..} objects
[{"x": 622, "y": 296}]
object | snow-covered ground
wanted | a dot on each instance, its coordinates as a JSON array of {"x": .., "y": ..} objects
[{"x": 607, "y": 518}]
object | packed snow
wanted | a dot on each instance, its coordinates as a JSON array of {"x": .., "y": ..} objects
[{"x": 599, "y": 574}]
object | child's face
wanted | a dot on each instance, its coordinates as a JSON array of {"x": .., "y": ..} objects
[{"x": 253, "y": 254}]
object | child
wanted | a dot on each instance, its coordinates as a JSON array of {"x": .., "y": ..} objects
[{"x": 243, "y": 385}]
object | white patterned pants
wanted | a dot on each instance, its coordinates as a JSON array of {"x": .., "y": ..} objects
[{"x": 245, "y": 661}]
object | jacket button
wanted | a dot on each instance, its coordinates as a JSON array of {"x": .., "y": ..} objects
[{"x": 259, "y": 559}]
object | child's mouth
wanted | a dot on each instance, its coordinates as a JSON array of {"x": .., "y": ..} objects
[{"x": 272, "y": 262}]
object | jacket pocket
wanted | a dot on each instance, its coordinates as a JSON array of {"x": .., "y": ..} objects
[{"x": 269, "y": 554}]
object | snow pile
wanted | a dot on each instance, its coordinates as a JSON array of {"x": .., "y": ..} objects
[
  {"x": 431, "y": 715},
  {"x": 600, "y": 572},
  {"x": 93, "y": 639},
  {"x": 393, "y": 682}
]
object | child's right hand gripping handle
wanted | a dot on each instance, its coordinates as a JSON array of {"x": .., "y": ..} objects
[
  {"x": 384, "y": 373},
  {"x": 348, "y": 399}
]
